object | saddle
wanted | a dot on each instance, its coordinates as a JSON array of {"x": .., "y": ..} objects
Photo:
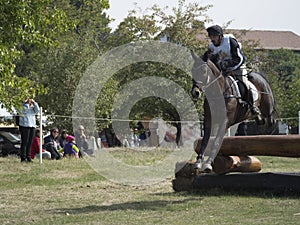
[{"x": 239, "y": 83}]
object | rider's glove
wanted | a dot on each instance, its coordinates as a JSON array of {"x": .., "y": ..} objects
[{"x": 224, "y": 65}]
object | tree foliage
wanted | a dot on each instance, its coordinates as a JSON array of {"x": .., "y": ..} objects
[
  {"x": 59, "y": 68},
  {"x": 46, "y": 46},
  {"x": 282, "y": 65},
  {"x": 24, "y": 24}
]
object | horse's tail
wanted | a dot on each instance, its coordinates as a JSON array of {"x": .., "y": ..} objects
[
  {"x": 273, "y": 114},
  {"x": 260, "y": 74}
]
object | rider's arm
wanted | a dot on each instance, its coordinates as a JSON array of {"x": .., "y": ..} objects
[
  {"x": 237, "y": 57},
  {"x": 205, "y": 56},
  {"x": 209, "y": 55}
]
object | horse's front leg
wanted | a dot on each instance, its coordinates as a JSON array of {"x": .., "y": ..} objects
[
  {"x": 200, "y": 157},
  {"x": 216, "y": 145},
  {"x": 206, "y": 136}
]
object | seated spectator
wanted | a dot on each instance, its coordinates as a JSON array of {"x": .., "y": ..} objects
[
  {"x": 103, "y": 139},
  {"x": 63, "y": 138},
  {"x": 81, "y": 140},
  {"x": 51, "y": 143},
  {"x": 35, "y": 147},
  {"x": 70, "y": 149}
]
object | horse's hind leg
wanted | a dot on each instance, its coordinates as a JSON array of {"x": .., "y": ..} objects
[{"x": 270, "y": 121}]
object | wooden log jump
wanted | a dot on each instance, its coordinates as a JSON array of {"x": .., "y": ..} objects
[
  {"x": 221, "y": 165},
  {"x": 264, "y": 145},
  {"x": 285, "y": 183},
  {"x": 235, "y": 157}
]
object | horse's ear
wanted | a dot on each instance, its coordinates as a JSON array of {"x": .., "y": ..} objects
[{"x": 194, "y": 55}]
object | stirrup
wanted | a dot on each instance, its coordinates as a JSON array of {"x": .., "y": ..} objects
[
  {"x": 259, "y": 120},
  {"x": 255, "y": 111}
]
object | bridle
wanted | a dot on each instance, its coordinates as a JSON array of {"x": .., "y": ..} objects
[{"x": 200, "y": 84}]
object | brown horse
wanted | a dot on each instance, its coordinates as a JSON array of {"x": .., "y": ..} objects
[{"x": 226, "y": 104}]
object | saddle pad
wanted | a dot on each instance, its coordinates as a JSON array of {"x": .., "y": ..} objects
[
  {"x": 251, "y": 86},
  {"x": 253, "y": 90}
]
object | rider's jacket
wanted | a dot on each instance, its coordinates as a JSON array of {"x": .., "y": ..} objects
[{"x": 228, "y": 54}]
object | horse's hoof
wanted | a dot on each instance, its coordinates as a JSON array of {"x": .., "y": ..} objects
[
  {"x": 198, "y": 166},
  {"x": 207, "y": 168}
]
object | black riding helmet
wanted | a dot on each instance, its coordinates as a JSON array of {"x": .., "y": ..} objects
[{"x": 214, "y": 30}]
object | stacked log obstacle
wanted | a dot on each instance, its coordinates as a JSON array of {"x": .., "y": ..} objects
[
  {"x": 265, "y": 145},
  {"x": 234, "y": 157}
]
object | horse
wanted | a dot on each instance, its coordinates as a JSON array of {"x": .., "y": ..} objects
[{"x": 225, "y": 104}]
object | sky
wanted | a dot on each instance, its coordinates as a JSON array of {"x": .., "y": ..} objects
[{"x": 272, "y": 15}]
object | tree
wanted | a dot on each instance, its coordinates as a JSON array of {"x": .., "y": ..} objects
[
  {"x": 284, "y": 70},
  {"x": 24, "y": 24},
  {"x": 181, "y": 27},
  {"x": 59, "y": 68}
]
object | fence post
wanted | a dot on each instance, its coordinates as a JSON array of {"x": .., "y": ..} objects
[
  {"x": 41, "y": 136},
  {"x": 299, "y": 123}
]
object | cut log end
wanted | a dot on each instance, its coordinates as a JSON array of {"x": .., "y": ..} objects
[{"x": 222, "y": 164}]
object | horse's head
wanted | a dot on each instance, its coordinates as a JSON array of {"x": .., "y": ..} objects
[
  {"x": 199, "y": 72},
  {"x": 204, "y": 75}
]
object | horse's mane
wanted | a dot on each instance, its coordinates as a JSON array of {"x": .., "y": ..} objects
[{"x": 213, "y": 67}]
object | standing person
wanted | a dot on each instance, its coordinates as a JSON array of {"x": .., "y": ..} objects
[
  {"x": 35, "y": 147},
  {"x": 27, "y": 124},
  {"x": 51, "y": 143},
  {"x": 225, "y": 52}
]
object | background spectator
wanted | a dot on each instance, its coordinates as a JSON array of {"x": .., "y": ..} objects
[
  {"x": 51, "y": 143},
  {"x": 81, "y": 140},
  {"x": 70, "y": 148},
  {"x": 35, "y": 147},
  {"x": 27, "y": 124},
  {"x": 63, "y": 138}
]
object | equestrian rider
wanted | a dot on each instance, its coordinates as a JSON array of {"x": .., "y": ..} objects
[{"x": 225, "y": 52}]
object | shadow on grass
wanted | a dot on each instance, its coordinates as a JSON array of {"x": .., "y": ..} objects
[
  {"x": 234, "y": 192},
  {"x": 156, "y": 205}
]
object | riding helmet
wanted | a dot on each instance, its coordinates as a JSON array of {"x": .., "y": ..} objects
[{"x": 214, "y": 30}]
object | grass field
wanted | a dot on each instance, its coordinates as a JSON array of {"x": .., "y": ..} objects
[{"x": 69, "y": 191}]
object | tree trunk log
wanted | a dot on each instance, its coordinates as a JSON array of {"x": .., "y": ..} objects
[
  {"x": 266, "y": 145},
  {"x": 221, "y": 165}
]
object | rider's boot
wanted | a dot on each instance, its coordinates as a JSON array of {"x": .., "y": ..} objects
[{"x": 253, "y": 108}]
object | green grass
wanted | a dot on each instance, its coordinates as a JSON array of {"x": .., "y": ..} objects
[{"x": 69, "y": 191}]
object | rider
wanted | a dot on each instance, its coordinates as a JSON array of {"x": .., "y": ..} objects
[{"x": 225, "y": 52}]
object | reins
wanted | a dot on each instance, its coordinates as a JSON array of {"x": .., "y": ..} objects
[
  {"x": 209, "y": 84},
  {"x": 199, "y": 83}
]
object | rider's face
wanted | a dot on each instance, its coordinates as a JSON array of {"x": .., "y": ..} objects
[{"x": 216, "y": 39}]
